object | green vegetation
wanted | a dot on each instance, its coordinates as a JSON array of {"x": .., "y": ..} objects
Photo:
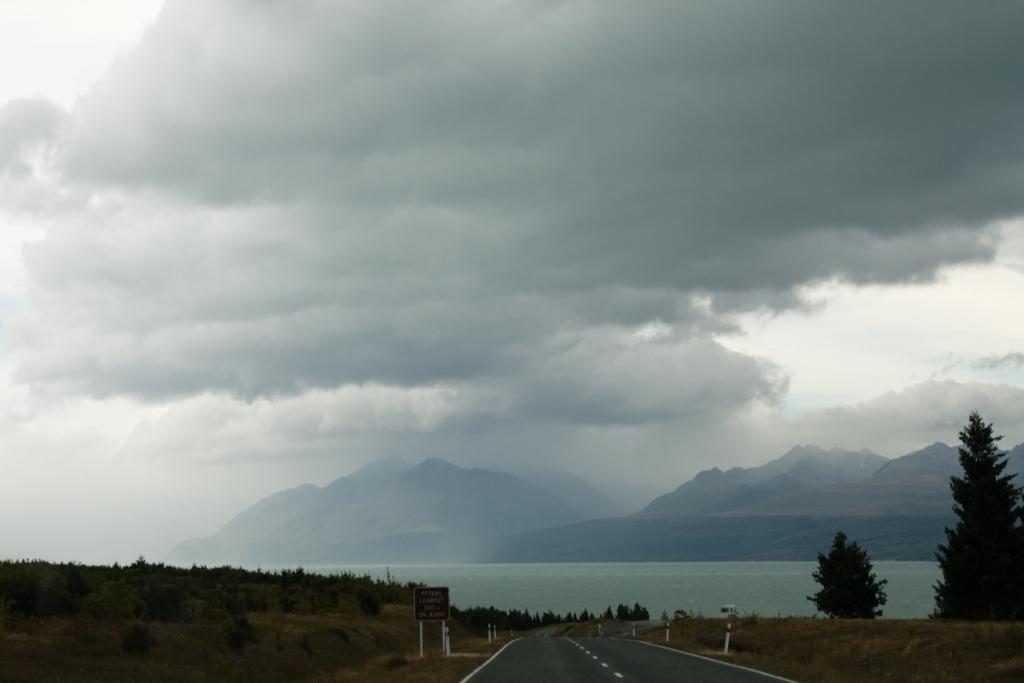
[
  {"x": 849, "y": 587},
  {"x": 161, "y": 593},
  {"x": 478, "y": 618},
  {"x": 635, "y": 613},
  {"x": 153, "y": 622},
  {"x": 982, "y": 560}
]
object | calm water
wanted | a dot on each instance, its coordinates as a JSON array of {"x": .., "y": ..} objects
[{"x": 765, "y": 588}]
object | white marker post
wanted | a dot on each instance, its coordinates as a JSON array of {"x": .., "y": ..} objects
[
  {"x": 488, "y": 634},
  {"x": 728, "y": 632},
  {"x": 599, "y": 630},
  {"x": 634, "y": 630},
  {"x": 667, "y": 626}
]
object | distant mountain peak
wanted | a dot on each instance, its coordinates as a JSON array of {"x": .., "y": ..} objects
[
  {"x": 434, "y": 511},
  {"x": 801, "y": 466},
  {"x": 435, "y": 463},
  {"x": 383, "y": 467}
]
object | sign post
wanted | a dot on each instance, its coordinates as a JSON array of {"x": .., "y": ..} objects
[{"x": 431, "y": 604}]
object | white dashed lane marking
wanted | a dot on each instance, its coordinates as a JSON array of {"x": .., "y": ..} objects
[{"x": 593, "y": 656}]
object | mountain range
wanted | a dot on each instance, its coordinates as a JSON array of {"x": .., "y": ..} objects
[
  {"x": 390, "y": 511},
  {"x": 788, "y": 508}
]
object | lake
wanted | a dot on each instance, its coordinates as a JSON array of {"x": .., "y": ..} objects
[{"x": 764, "y": 588}]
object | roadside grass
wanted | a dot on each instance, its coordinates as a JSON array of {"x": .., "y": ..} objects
[
  {"x": 854, "y": 650},
  {"x": 344, "y": 648},
  {"x": 278, "y": 647}
]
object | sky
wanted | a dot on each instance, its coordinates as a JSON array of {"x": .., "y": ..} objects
[{"x": 245, "y": 246}]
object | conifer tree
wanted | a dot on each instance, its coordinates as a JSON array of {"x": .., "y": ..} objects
[
  {"x": 982, "y": 560},
  {"x": 849, "y": 588}
]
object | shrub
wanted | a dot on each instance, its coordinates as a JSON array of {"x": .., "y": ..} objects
[
  {"x": 395, "y": 661},
  {"x": 6, "y": 613},
  {"x": 115, "y": 600},
  {"x": 369, "y": 601},
  {"x": 202, "y": 612},
  {"x": 164, "y": 602},
  {"x": 138, "y": 640},
  {"x": 239, "y": 633},
  {"x": 37, "y": 589}
]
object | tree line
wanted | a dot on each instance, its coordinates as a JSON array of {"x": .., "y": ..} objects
[
  {"x": 148, "y": 592},
  {"x": 982, "y": 560},
  {"x": 479, "y": 618},
  {"x": 165, "y": 593}
]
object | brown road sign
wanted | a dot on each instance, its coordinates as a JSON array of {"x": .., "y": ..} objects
[{"x": 430, "y": 604}]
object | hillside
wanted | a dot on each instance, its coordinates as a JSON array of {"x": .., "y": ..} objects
[
  {"x": 388, "y": 512},
  {"x": 801, "y": 468},
  {"x": 154, "y": 623},
  {"x": 898, "y": 511}
]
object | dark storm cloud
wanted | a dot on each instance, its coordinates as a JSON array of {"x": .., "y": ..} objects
[
  {"x": 308, "y": 194},
  {"x": 635, "y": 142}
]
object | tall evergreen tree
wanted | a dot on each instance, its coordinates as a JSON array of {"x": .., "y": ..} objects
[
  {"x": 849, "y": 587},
  {"x": 982, "y": 561}
]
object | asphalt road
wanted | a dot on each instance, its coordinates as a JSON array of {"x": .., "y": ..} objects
[{"x": 539, "y": 660}]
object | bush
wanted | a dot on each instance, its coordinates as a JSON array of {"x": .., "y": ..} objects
[
  {"x": 239, "y": 633},
  {"x": 369, "y": 601},
  {"x": 115, "y": 600},
  {"x": 395, "y": 662},
  {"x": 6, "y": 613},
  {"x": 38, "y": 589},
  {"x": 138, "y": 640},
  {"x": 164, "y": 602},
  {"x": 201, "y": 612}
]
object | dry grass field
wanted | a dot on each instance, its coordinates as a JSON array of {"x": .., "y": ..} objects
[
  {"x": 849, "y": 651},
  {"x": 346, "y": 648},
  {"x": 287, "y": 647}
]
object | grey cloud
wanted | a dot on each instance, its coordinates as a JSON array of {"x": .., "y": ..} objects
[
  {"x": 623, "y": 379},
  {"x": 24, "y": 125},
  {"x": 158, "y": 302},
  {"x": 306, "y": 195},
  {"x": 900, "y": 421},
  {"x": 663, "y": 144},
  {"x": 1013, "y": 359}
]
